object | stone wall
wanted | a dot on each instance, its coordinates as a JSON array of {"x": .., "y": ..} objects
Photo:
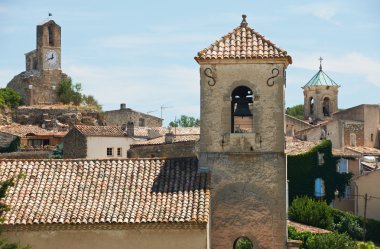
[
  {"x": 74, "y": 145},
  {"x": 5, "y": 116},
  {"x": 174, "y": 150},
  {"x": 293, "y": 125},
  {"x": 6, "y": 139},
  {"x": 123, "y": 116},
  {"x": 44, "y": 86},
  {"x": 49, "y": 115},
  {"x": 353, "y": 128}
]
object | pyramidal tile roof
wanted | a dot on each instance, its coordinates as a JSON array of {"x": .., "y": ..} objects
[
  {"x": 242, "y": 43},
  {"x": 107, "y": 131},
  {"x": 321, "y": 79},
  {"x": 106, "y": 191}
]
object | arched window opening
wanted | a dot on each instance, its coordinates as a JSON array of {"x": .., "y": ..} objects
[
  {"x": 243, "y": 243},
  {"x": 241, "y": 106},
  {"x": 326, "y": 106},
  {"x": 319, "y": 188},
  {"x": 311, "y": 103},
  {"x": 51, "y": 38}
]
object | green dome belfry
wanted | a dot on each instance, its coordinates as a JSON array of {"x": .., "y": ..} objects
[
  {"x": 321, "y": 78},
  {"x": 320, "y": 96}
]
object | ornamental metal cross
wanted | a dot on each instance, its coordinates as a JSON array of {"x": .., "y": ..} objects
[{"x": 320, "y": 63}]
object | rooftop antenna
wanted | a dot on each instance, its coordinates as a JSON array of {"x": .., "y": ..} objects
[
  {"x": 163, "y": 108},
  {"x": 320, "y": 63}
]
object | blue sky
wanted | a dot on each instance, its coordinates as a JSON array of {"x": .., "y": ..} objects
[{"x": 141, "y": 52}]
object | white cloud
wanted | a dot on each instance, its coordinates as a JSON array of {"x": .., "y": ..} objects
[
  {"x": 352, "y": 63},
  {"x": 325, "y": 11}
]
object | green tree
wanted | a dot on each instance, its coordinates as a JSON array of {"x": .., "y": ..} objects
[
  {"x": 329, "y": 241},
  {"x": 185, "y": 121},
  {"x": 69, "y": 93},
  {"x": 89, "y": 100},
  {"x": 295, "y": 111},
  {"x": 3, "y": 208},
  {"x": 9, "y": 97}
]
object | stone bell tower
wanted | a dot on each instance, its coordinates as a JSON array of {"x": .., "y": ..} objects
[
  {"x": 38, "y": 84},
  {"x": 242, "y": 80},
  {"x": 320, "y": 96}
]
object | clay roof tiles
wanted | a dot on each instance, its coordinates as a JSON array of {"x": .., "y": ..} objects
[
  {"x": 242, "y": 43},
  {"x": 161, "y": 140},
  {"x": 106, "y": 131},
  {"x": 106, "y": 191},
  {"x": 23, "y": 130}
]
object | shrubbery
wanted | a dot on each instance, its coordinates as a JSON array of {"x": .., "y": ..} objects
[
  {"x": 9, "y": 98},
  {"x": 306, "y": 211},
  {"x": 316, "y": 213}
]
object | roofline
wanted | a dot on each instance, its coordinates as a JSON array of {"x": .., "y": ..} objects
[{"x": 257, "y": 60}]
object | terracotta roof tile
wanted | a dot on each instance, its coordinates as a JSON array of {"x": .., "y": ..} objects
[
  {"x": 106, "y": 191},
  {"x": 108, "y": 131},
  {"x": 306, "y": 228},
  {"x": 23, "y": 130},
  {"x": 161, "y": 140},
  {"x": 242, "y": 43},
  {"x": 143, "y": 131}
]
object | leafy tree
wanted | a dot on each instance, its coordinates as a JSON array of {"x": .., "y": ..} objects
[
  {"x": 9, "y": 97},
  {"x": 89, "y": 100},
  {"x": 329, "y": 241},
  {"x": 3, "y": 208},
  {"x": 69, "y": 93},
  {"x": 185, "y": 121},
  {"x": 295, "y": 111},
  {"x": 243, "y": 243}
]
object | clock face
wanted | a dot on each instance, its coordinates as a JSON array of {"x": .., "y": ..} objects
[{"x": 51, "y": 58}]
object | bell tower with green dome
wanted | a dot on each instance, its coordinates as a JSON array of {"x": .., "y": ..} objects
[{"x": 320, "y": 96}]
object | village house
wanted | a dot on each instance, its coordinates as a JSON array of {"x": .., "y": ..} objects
[
  {"x": 96, "y": 142},
  {"x": 125, "y": 115},
  {"x": 31, "y": 137},
  {"x": 169, "y": 145},
  {"x": 367, "y": 194}
]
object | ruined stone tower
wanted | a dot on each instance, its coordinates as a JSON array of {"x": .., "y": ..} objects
[
  {"x": 320, "y": 96},
  {"x": 39, "y": 82},
  {"x": 242, "y": 79}
]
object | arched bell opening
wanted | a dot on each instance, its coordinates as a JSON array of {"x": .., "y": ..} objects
[
  {"x": 326, "y": 106},
  {"x": 311, "y": 105},
  {"x": 241, "y": 110}
]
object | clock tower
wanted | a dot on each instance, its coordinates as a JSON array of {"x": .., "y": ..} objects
[{"x": 39, "y": 83}]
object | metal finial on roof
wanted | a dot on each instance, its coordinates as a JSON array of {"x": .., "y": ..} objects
[
  {"x": 320, "y": 63},
  {"x": 244, "y": 22}
]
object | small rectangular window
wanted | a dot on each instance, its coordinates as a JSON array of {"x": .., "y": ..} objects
[
  {"x": 142, "y": 122},
  {"x": 118, "y": 151},
  {"x": 343, "y": 166},
  {"x": 371, "y": 137},
  {"x": 109, "y": 151},
  {"x": 353, "y": 139},
  {"x": 321, "y": 160}
]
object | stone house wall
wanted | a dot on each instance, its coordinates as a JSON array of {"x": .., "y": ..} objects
[
  {"x": 123, "y": 116},
  {"x": 174, "y": 150},
  {"x": 293, "y": 125},
  {"x": 111, "y": 238},
  {"x": 356, "y": 129},
  {"x": 74, "y": 145}
]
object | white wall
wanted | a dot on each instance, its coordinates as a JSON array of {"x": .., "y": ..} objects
[{"x": 97, "y": 146}]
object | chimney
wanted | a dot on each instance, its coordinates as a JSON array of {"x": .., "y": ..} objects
[
  {"x": 130, "y": 129},
  {"x": 169, "y": 138},
  {"x": 123, "y": 106}
]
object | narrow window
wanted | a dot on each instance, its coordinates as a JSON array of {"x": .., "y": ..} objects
[
  {"x": 353, "y": 139},
  {"x": 119, "y": 151},
  {"x": 243, "y": 243},
  {"x": 371, "y": 137},
  {"x": 343, "y": 165},
  {"x": 311, "y": 103},
  {"x": 109, "y": 151},
  {"x": 51, "y": 38},
  {"x": 241, "y": 110},
  {"x": 141, "y": 122},
  {"x": 319, "y": 187},
  {"x": 326, "y": 107}
]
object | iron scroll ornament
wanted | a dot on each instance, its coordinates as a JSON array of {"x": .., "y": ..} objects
[
  {"x": 208, "y": 73},
  {"x": 273, "y": 77}
]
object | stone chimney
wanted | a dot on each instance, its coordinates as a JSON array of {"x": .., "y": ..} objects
[
  {"x": 123, "y": 106},
  {"x": 130, "y": 129},
  {"x": 169, "y": 138}
]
